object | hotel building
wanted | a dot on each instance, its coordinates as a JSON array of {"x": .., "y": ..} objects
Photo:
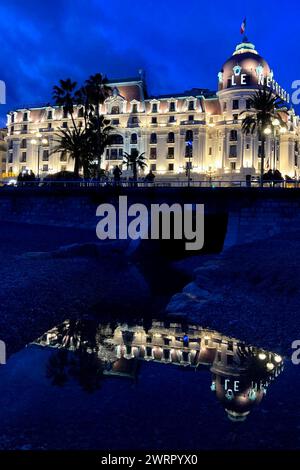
[{"x": 198, "y": 129}]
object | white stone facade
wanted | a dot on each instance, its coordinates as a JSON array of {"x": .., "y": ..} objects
[{"x": 161, "y": 126}]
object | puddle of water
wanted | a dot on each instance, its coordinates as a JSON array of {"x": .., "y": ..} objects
[
  {"x": 154, "y": 385},
  {"x": 241, "y": 374}
]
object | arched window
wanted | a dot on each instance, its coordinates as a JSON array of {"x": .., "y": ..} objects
[
  {"x": 171, "y": 138},
  {"x": 133, "y": 139},
  {"x": 189, "y": 136},
  {"x": 116, "y": 139},
  {"x": 153, "y": 138},
  {"x": 115, "y": 110}
]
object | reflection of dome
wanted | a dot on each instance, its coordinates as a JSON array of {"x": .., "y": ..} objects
[
  {"x": 237, "y": 402},
  {"x": 244, "y": 60}
]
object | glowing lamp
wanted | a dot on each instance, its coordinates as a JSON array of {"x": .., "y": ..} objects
[
  {"x": 270, "y": 366},
  {"x": 267, "y": 131},
  {"x": 262, "y": 356}
]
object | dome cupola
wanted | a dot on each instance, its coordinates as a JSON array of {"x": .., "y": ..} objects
[{"x": 244, "y": 69}]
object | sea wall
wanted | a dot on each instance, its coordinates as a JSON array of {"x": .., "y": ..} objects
[{"x": 251, "y": 214}]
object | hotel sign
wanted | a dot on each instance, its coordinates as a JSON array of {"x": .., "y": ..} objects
[{"x": 239, "y": 78}]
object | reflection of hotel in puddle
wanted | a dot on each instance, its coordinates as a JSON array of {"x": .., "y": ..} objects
[{"x": 241, "y": 374}]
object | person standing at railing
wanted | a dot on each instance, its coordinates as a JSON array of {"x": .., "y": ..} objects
[
  {"x": 117, "y": 172},
  {"x": 150, "y": 177}
]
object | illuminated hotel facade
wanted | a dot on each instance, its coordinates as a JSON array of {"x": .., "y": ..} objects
[{"x": 198, "y": 130}]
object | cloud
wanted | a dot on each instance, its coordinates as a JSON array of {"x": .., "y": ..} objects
[{"x": 179, "y": 46}]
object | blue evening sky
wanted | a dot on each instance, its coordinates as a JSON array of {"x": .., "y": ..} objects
[{"x": 179, "y": 44}]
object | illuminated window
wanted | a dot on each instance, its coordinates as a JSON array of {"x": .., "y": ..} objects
[
  {"x": 23, "y": 157},
  {"x": 116, "y": 139},
  {"x": 171, "y": 152},
  {"x": 133, "y": 139},
  {"x": 189, "y": 136},
  {"x": 171, "y": 138},
  {"x": 153, "y": 138},
  {"x": 115, "y": 110},
  {"x": 45, "y": 155},
  {"x": 153, "y": 153},
  {"x": 232, "y": 151},
  {"x": 233, "y": 135}
]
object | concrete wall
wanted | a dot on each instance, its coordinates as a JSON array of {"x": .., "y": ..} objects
[{"x": 253, "y": 214}]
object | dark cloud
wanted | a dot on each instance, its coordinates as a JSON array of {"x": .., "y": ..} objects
[{"x": 179, "y": 44}]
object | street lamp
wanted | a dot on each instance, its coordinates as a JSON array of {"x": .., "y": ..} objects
[
  {"x": 39, "y": 140},
  {"x": 189, "y": 148},
  {"x": 267, "y": 131}
]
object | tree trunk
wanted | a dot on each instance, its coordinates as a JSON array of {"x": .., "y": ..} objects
[
  {"x": 76, "y": 167},
  {"x": 134, "y": 171}
]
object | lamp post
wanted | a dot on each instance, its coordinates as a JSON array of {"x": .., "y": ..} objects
[
  {"x": 189, "y": 148},
  {"x": 276, "y": 127},
  {"x": 39, "y": 140}
]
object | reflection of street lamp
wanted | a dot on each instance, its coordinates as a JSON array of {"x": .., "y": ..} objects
[
  {"x": 39, "y": 140},
  {"x": 189, "y": 149}
]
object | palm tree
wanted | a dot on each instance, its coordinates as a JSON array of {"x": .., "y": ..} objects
[
  {"x": 94, "y": 124},
  {"x": 95, "y": 92},
  {"x": 135, "y": 161},
  {"x": 75, "y": 144},
  {"x": 265, "y": 107},
  {"x": 66, "y": 96}
]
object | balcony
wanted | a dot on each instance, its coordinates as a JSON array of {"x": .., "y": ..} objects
[
  {"x": 46, "y": 129},
  {"x": 192, "y": 122}
]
